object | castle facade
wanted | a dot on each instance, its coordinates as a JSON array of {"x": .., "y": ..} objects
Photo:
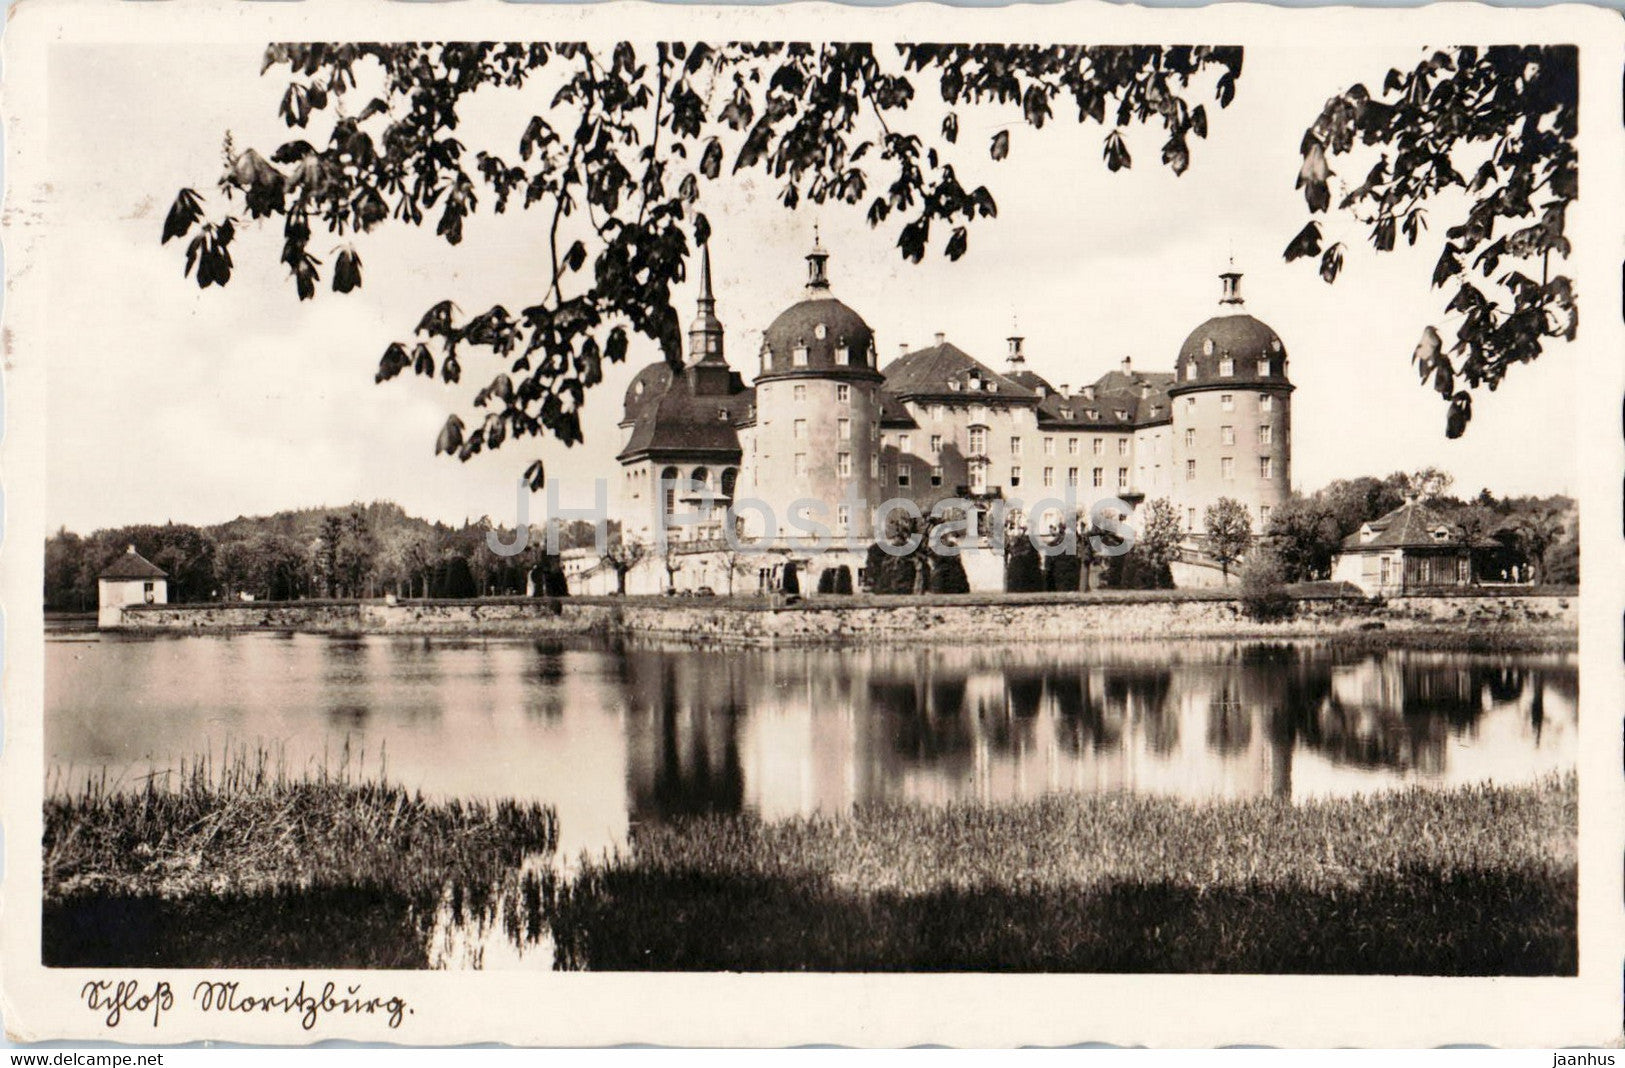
[{"x": 823, "y": 420}]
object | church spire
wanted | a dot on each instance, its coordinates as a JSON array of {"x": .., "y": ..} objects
[{"x": 705, "y": 336}]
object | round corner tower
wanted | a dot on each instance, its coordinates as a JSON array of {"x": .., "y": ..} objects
[
  {"x": 818, "y": 413},
  {"x": 1232, "y": 415}
]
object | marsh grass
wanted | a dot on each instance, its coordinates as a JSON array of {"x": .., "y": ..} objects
[
  {"x": 1471, "y": 881},
  {"x": 234, "y": 861}
]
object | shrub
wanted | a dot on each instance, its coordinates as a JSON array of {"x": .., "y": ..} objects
[
  {"x": 790, "y": 583},
  {"x": 948, "y": 575},
  {"x": 1023, "y": 568},
  {"x": 1263, "y": 590},
  {"x": 843, "y": 579}
]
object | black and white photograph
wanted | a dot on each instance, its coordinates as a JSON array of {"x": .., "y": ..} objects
[{"x": 732, "y": 495}]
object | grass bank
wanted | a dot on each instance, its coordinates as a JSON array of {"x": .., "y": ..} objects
[
  {"x": 1471, "y": 881},
  {"x": 234, "y": 862}
]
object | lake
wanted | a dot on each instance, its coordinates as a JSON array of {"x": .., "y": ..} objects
[{"x": 616, "y": 732}]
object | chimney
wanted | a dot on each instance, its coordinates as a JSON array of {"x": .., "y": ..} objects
[
  {"x": 902, "y": 348},
  {"x": 1088, "y": 392},
  {"x": 1128, "y": 365},
  {"x": 1145, "y": 389},
  {"x": 1232, "y": 287},
  {"x": 1064, "y": 390},
  {"x": 941, "y": 337},
  {"x": 131, "y": 549}
]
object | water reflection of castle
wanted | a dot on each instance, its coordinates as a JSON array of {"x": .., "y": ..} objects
[{"x": 782, "y": 732}]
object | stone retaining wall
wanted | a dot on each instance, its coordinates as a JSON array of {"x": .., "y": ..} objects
[{"x": 831, "y": 620}]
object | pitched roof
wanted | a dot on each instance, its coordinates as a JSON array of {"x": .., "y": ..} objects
[
  {"x": 132, "y": 565},
  {"x": 1113, "y": 392},
  {"x": 1408, "y": 526},
  {"x": 946, "y": 370},
  {"x": 683, "y": 419}
]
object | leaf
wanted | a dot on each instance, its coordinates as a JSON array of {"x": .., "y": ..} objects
[
  {"x": 702, "y": 228},
  {"x": 576, "y": 256},
  {"x": 1448, "y": 267},
  {"x": 1314, "y": 175},
  {"x": 1116, "y": 152},
  {"x": 1000, "y": 148},
  {"x": 1428, "y": 350},
  {"x": 422, "y": 360},
  {"x": 1331, "y": 262},
  {"x": 950, "y": 128},
  {"x": 615, "y": 347},
  {"x": 956, "y": 243},
  {"x": 451, "y": 436},
  {"x": 711, "y": 158},
  {"x": 346, "y": 271},
  {"x": 1461, "y": 412},
  {"x": 1035, "y": 106},
  {"x": 183, "y": 215},
  {"x": 535, "y": 475},
  {"x": 394, "y": 361},
  {"x": 450, "y": 370},
  {"x": 1307, "y": 243},
  {"x": 1199, "y": 121}
]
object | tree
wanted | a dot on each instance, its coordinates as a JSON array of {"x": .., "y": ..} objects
[
  {"x": 1229, "y": 529},
  {"x": 1304, "y": 536},
  {"x": 620, "y": 146},
  {"x": 1515, "y": 107},
  {"x": 621, "y": 555},
  {"x": 1353, "y": 502},
  {"x": 1161, "y": 533},
  {"x": 1534, "y": 533},
  {"x": 672, "y": 565}
]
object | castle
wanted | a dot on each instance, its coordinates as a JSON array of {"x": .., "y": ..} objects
[{"x": 822, "y": 419}]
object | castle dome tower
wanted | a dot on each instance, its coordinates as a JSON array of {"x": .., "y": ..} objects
[
  {"x": 818, "y": 410},
  {"x": 1231, "y": 417}
]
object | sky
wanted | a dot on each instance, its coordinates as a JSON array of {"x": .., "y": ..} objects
[{"x": 169, "y": 403}]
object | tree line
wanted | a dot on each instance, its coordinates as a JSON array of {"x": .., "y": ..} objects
[{"x": 364, "y": 550}]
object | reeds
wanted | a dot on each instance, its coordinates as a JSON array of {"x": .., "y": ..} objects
[
  {"x": 1471, "y": 881},
  {"x": 235, "y": 861}
]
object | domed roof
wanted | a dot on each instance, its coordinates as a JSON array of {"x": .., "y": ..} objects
[
  {"x": 818, "y": 332},
  {"x": 1230, "y": 348}
]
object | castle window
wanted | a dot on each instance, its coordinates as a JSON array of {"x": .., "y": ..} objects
[
  {"x": 843, "y": 393},
  {"x": 1066, "y": 413},
  {"x": 1122, "y": 414},
  {"x": 722, "y": 415},
  {"x": 637, "y": 390},
  {"x": 798, "y": 356},
  {"x": 936, "y": 475},
  {"x": 902, "y": 473},
  {"x": 801, "y": 464},
  {"x": 1072, "y": 476},
  {"x": 936, "y": 444},
  {"x": 1227, "y": 435},
  {"x": 1207, "y": 346},
  {"x": 843, "y": 516},
  {"x": 843, "y": 464},
  {"x": 800, "y": 429},
  {"x": 874, "y": 430},
  {"x": 1122, "y": 478},
  {"x": 843, "y": 428},
  {"x": 953, "y": 386},
  {"x": 992, "y": 387},
  {"x": 1049, "y": 476},
  {"x": 1227, "y": 467},
  {"x": 1263, "y": 515},
  {"x": 905, "y": 443},
  {"x": 1190, "y": 518},
  {"x": 874, "y": 465},
  {"x": 1015, "y": 476},
  {"x": 1015, "y": 446},
  {"x": 1227, "y": 367},
  {"x": 1099, "y": 477},
  {"x": 1190, "y": 476},
  {"x": 1122, "y": 446},
  {"x": 1263, "y": 366},
  {"x": 1266, "y": 467},
  {"x": 843, "y": 354},
  {"x": 1266, "y": 434},
  {"x": 798, "y": 393},
  {"x": 1190, "y": 371},
  {"x": 978, "y": 440},
  {"x": 1049, "y": 446},
  {"x": 1190, "y": 438},
  {"x": 820, "y": 332},
  {"x": 1190, "y": 404},
  {"x": 1091, "y": 413},
  {"x": 1227, "y": 402},
  {"x": 1266, "y": 403}
]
